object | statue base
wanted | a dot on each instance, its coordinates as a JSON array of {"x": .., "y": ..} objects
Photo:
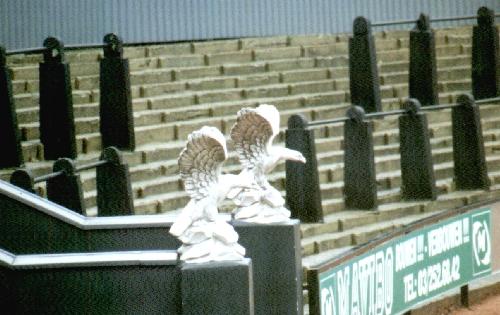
[
  {"x": 276, "y": 256},
  {"x": 224, "y": 287}
]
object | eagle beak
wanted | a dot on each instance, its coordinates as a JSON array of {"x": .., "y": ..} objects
[{"x": 299, "y": 158}]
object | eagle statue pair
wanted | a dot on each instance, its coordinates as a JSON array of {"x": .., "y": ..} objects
[{"x": 205, "y": 236}]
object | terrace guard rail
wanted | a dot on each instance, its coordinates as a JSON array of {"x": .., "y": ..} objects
[
  {"x": 64, "y": 187},
  {"x": 418, "y": 181},
  {"x": 360, "y": 190}
]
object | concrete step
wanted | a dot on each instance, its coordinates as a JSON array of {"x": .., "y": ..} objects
[
  {"x": 441, "y": 129},
  {"x": 195, "y": 66},
  {"x": 153, "y": 189},
  {"x": 86, "y": 125},
  {"x": 339, "y": 229},
  {"x": 388, "y": 180},
  {"x": 387, "y": 164},
  {"x": 330, "y": 236},
  {"x": 443, "y": 36},
  {"x": 150, "y": 95},
  {"x": 456, "y": 73},
  {"x": 166, "y": 202},
  {"x": 157, "y": 202},
  {"x": 367, "y": 225},
  {"x": 302, "y": 76},
  {"x": 162, "y": 162},
  {"x": 439, "y": 123}
]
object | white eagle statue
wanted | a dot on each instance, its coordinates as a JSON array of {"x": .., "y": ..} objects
[
  {"x": 205, "y": 236},
  {"x": 252, "y": 136}
]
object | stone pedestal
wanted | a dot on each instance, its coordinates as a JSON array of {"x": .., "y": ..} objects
[
  {"x": 217, "y": 288},
  {"x": 277, "y": 265}
]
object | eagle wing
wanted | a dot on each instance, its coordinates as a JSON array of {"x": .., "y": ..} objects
[
  {"x": 253, "y": 133},
  {"x": 201, "y": 160}
]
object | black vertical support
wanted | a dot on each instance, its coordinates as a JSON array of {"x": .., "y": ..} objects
[
  {"x": 57, "y": 125},
  {"x": 423, "y": 73},
  {"x": 485, "y": 56},
  {"x": 221, "y": 287},
  {"x": 10, "y": 137},
  {"x": 417, "y": 172},
  {"x": 360, "y": 185},
  {"x": 313, "y": 292},
  {"x": 66, "y": 189},
  {"x": 464, "y": 295},
  {"x": 363, "y": 71},
  {"x": 24, "y": 179},
  {"x": 114, "y": 190},
  {"x": 115, "y": 110},
  {"x": 303, "y": 194},
  {"x": 468, "y": 147}
]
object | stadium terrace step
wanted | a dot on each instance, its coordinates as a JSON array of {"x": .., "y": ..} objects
[
  {"x": 155, "y": 97},
  {"x": 455, "y": 85},
  {"x": 387, "y": 194},
  {"x": 443, "y": 36},
  {"x": 356, "y": 227},
  {"x": 177, "y": 88},
  {"x": 190, "y": 66},
  {"x": 83, "y": 125},
  {"x": 169, "y": 49},
  {"x": 455, "y": 60}
]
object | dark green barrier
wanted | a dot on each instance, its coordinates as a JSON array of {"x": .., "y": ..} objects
[
  {"x": 33, "y": 225},
  {"x": 91, "y": 283}
]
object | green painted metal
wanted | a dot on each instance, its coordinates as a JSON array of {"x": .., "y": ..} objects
[{"x": 393, "y": 277}]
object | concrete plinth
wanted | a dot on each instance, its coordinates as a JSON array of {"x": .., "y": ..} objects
[
  {"x": 277, "y": 265},
  {"x": 217, "y": 288}
]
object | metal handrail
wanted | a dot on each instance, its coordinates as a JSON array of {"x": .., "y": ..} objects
[
  {"x": 442, "y": 19},
  {"x": 46, "y": 177},
  {"x": 90, "y": 165},
  {"x": 34, "y": 50},
  {"x": 428, "y": 108}
]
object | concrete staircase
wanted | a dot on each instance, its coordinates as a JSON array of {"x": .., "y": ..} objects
[{"x": 178, "y": 88}]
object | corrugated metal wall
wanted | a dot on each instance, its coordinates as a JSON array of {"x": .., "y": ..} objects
[{"x": 25, "y": 23}]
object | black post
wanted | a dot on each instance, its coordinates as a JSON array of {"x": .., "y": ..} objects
[
  {"x": 57, "y": 125},
  {"x": 485, "y": 56},
  {"x": 10, "y": 137},
  {"x": 468, "y": 147},
  {"x": 114, "y": 190},
  {"x": 224, "y": 287},
  {"x": 24, "y": 179},
  {"x": 423, "y": 73},
  {"x": 66, "y": 189},
  {"x": 417, "y": 172},
  {"x": 117, "y": 119},
  {"x": 464, "y": 295},
  {"x": 360, "y": 184},
  {"x": 303, "y": 194},
  {"x": 363, "y": 72},
  {"x": 277, "y": 285}
]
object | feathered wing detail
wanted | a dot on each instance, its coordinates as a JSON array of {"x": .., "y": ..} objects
[
  {"x": 253, "y": 133},
  {"x": 201, "y": 160}
]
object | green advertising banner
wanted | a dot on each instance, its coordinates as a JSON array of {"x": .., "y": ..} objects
[{"x": 404, "y": 271}]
